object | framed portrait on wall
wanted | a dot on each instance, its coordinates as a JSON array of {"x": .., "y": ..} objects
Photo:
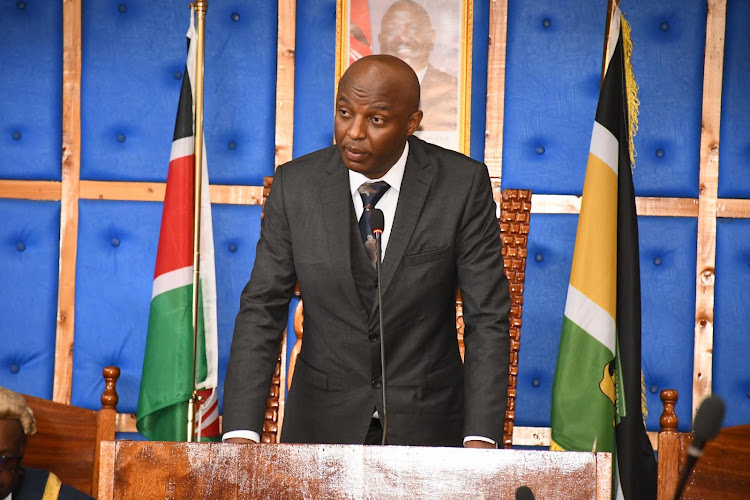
[{"x": 434, "y": 38}]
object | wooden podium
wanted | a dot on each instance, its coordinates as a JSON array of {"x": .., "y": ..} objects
[{"x": 143, "y": 469}]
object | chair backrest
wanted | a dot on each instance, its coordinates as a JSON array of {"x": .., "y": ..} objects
[
  {"x": 723, "y": 470},
  {"x": 515, "y": 214},
  {"x": 68, "y": 438}
]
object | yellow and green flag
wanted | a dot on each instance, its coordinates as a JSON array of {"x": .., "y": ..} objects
[{"x": 598, "y": 401}]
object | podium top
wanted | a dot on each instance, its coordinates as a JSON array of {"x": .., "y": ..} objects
[{"x": 130, "y": 469}]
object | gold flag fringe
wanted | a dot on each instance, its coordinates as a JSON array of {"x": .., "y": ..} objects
[{"x": 631, "y": 88}]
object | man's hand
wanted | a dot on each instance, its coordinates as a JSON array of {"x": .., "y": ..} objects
[
  {"x": 475, "y": 443},
  {"x": 240, "y": 441}
]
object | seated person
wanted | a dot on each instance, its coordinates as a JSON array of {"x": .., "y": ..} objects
[{"x": 16, "y": 482}]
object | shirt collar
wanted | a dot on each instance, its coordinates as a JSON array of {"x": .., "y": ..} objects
[{"x": 393, "y": 177}]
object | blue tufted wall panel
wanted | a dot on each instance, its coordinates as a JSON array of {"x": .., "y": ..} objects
[
  {"x": 29, "y": 253},
  {"x": 133, "y": 60},
  {"x": 30, "y": 94},
  {"x": 116, "y": 256},
  {"x": 731, "y": 377},
  {"x": 117, "y": 243},
  {"x": 553, "y": 70},
  {"x": 734, "y": 153},
  {"x": 667, "y": 264}
]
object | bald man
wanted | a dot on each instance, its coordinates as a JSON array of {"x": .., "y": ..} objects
[
  {"x": 440, "y": 234},
  {"x": 407, "y": 33}
]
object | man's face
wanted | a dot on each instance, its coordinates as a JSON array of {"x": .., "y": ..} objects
[
  {"x": 373, "y": 120},
  {"x": 12, "y": 441},
  {"x": 406, "y": 32}
]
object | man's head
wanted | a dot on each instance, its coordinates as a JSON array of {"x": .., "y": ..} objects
[
  {"x": 406, "y": 32},
  {"x": 16, "y": 422},
  {"x": 377, "y": 108}
]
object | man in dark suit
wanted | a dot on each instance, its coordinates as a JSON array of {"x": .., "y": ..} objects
[{"x": 440, "y": 234}]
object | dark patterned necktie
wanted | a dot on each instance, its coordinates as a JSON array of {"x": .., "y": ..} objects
[{"x": 371, "y": 192}]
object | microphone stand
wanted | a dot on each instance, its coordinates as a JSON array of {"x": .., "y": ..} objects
[{"x": 378, "y": 232}]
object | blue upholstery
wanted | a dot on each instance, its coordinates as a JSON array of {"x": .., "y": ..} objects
[
  {"x": 137, "y": 49},
  {"x": 667, "y": 261},
  {"x": 30, "y": 93},
  {"x": 116, "y": 257},
  {"x": 735, "y": 109},
  {"x": 553, "y": 71},
  {"x": 731, "y": 377},
  {"x": 29, "y": 253}
]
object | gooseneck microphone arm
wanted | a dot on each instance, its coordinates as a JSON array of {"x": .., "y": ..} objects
[{"x": 377, "y": 223}]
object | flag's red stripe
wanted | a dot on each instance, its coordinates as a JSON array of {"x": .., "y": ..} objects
[{"x": 176, "y": 236}]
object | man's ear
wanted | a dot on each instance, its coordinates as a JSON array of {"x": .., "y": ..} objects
[{"x": 414, "y": 120}]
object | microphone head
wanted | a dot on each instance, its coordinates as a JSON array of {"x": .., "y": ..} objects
[
  {"x": 377, "y": 221},
  {"x": 524, "y": 493},
  {"x": 708, "y": 420}
]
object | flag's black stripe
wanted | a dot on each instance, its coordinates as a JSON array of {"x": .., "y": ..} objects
[
  {"x": 609, "y": 111},
  {"x": 635, "y": 457},
  {"x": 183, "y": 126}
]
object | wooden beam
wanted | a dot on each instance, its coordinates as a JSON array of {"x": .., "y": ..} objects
[
  {"x": 154, "y": 191},
  {"x": 31, "y": 190},
  {"x": 285, "y": 54},
  {"x": 71, "y": 169},
  {"x": 571, "y": 204},
  {"x": 713, "y": 68},
  {"x": 731, "y": 208},
  {"x": 493, "y": 139}
]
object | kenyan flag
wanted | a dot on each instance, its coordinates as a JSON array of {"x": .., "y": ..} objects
[{"x": 167, "y": 378}]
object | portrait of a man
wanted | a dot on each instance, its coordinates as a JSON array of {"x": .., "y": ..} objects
[{"x": 406, "y": 32}]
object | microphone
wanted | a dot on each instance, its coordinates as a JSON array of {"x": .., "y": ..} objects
[
  {"x": 706, "y": 426},
  {"x": 377, "y": 223},
  {"x": 524, "y": 493}
]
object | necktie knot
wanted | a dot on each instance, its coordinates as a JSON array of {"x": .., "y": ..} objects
[{"x": 371, "y": 192}]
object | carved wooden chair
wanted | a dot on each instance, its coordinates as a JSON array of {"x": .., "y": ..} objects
[
  {"x": 722, "y": 472},
  {"x": 68, "y": 438},
  {"x": 515, "y": 213}
]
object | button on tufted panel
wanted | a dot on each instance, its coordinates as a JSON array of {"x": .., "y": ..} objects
[
  {"x": 667, "y": 292},
  {"x": 731, "y": 376},
  {"x": 551, "y": 90},
  {"x": 30, "y": 93},
  {"x": 735, "y": 110},
  {"x": 28, "y": 295},
  {"x": 551, "y": 240},
  {"x": 237, "y": 225},
  {"x": 132, "y": 53}
]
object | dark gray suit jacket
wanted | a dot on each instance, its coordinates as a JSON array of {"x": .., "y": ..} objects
[{"x": 445, "y": 236}]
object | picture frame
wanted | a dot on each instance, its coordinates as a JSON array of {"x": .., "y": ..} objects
[{"x": 435, "y": 38}]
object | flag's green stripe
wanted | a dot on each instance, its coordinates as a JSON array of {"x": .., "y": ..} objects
[
  {"x": 167, "y": 383},
  {"x": 582, "y": 414}
]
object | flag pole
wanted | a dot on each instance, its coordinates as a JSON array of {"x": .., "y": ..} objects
[
  {"x": 199, "y": 7},
  {"x": 612, "y": 5}
]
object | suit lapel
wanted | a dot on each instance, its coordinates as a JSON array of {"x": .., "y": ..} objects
[
  {"x": 414, "y": 188},
  {"x": 337, "y": 206}
]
